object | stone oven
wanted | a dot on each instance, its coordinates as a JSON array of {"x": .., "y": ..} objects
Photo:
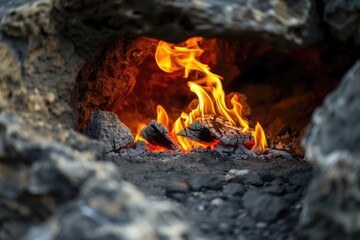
[{"x": 195, "y": 119}]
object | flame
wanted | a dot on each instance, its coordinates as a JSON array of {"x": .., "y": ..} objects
[
  {"x": 162, "y": 116},
  {"x": 260, "y": 138},
  {"x": 208, "y": 88}
]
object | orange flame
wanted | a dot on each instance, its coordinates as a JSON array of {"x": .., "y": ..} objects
[
  {"x": 208, "y": 88},
  {"x": 162, "y": 116}
]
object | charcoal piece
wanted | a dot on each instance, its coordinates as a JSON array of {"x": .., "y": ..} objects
[
  {"x": 106, "y": 127},
  {"x": 263, "y": 206},
  {"x": 213, "y": 127},
  {"x": 157, "y": 134}
]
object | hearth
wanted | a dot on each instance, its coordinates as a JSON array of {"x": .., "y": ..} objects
[
  {"x": 179, "y": 119},
  {"x": 179, "y": 130}
]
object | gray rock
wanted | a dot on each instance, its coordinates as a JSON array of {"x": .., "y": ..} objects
[
  {"x": 332, "y": 207},
  {"x": 39, "y": 66},
  {"x": 113, "y": 210},
  {"x": 253, "y": 179},
  {"x": 234, "y": 189},
  {"x": 266, "y": 175},
  {"x": 106, "y": 127},
  {"x": 236, "y": 174},
  {"x": 343, "y": 18},
  {"x": 64, "y": 193},
  {"x": 283, "y": 23},
  {"x": 263, "y": 206},
  {"x": 205, "y": 181},
  {"x": 244, "y": 176}
]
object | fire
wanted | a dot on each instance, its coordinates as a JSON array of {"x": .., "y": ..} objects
[{"x": 208, "y": 88}]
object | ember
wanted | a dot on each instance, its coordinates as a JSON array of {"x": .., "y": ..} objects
[{"x": 190, "y": 58}]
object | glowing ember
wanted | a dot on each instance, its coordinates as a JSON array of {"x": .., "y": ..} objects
[{"x": 208, "y": 88}]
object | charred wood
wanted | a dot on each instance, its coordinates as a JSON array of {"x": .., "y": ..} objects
[
  {"x": 212, "y": 127},
  {"x": 157, "y": 134}
]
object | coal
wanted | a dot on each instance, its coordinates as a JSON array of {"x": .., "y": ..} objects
[
  {"x": 106, "y": 127},
  {"x": 263, "y": 206},
  {"x": 157, "y": 134}
]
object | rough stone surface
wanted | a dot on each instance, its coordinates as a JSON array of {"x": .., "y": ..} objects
[
  {"x": 112, "y": 209},
  {"x": 51, "y": 189},
  {"x": 263, "y": 206},
  {"x": 40, "y": 65},
  {"x": 205, "y": 181},
  {"x": 343, "y": 17},
  {"x": 48, "y": 42},
  {"x": 332, "y": 205},
  {"x": 281, "y": 22},
  {"x": 219, "y": 213},
  {"x": 107, "y": 128}
]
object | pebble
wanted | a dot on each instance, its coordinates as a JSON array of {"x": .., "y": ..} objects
[
  {"x": 205, "y": 181},
  {"x": 234, "y": 189},
  {"x": 263, "y": 206},
  {"x": 266, "y": 175},
  {"x": 253, "y": 179},
  {"x": 238, "y": 174},
  {"x": 217, "y": 202},
  {"x": 261, "y": 225}
]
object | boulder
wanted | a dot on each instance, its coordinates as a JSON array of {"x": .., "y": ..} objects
[
  {"x": 332, "y": 206},
  {"x": 283, "y": 23}
]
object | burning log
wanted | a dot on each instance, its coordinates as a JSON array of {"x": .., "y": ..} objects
[
  {"x": 156, "y": 134},
  {"x": 211, "y": 128}
]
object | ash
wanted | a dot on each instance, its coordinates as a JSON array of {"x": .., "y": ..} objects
[{"x": 225, "y": 194}]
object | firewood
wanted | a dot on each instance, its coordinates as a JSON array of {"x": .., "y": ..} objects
[{"x": 213, "y": 127}]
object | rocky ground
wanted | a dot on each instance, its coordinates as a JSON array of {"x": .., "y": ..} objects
[{"x": 225, "y": 197}]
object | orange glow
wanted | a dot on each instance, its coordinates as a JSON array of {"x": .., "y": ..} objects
[
  {"x": 162, "y": 116},
  {"x": 208, "y": 88},
  {"x": 260, "y": 139}
]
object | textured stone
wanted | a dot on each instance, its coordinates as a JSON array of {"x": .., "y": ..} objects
[
  {"x": 331, "y": 207},
  {"x": 107, "y": 128},
  {"x": 205, "y": 181},
  {"x": 39, "y": 90},
  {"x": 263, "y": 206},
  {"x": 283, "y": 23},
  {"x": 113, "y": 210},
  {"x": 234, "y": 189},
  {"x": 48, "y": 185},
  {"x": 343, "y": 19}
]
